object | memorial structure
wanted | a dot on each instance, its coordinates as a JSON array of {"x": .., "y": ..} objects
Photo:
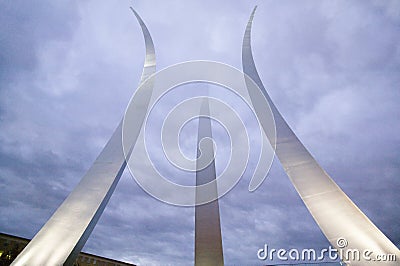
[
  {"x": 345, "y": 226},
  {"x": 63, "y": 236},
  {"x": 60, "y": 240}
]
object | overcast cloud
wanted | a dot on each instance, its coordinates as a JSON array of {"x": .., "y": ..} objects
[{"x": 69, "y": 68}]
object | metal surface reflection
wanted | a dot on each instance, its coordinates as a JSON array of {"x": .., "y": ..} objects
[
  {"x": 336, "y": 215},
  {"x": 60, "y": 240},
  {"x": 208, "y": 240}
]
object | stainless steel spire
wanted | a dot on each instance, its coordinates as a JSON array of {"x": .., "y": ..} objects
[
  {"x": 60, "y": 240},
  {"x": 208, "y": 240},
  {"x": 334, "y": 212}
]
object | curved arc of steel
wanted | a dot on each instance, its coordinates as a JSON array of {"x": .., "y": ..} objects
[
  {"x": 61, "y": 239},
  {"x": 333, "y": 211}
]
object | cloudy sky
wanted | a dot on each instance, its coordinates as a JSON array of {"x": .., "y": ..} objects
[{"x": 69, "y": 68}]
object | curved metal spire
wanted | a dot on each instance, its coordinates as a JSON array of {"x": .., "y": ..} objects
[
  {"x": 61, "y": 239},
  {"x": 334, "y": 212}
]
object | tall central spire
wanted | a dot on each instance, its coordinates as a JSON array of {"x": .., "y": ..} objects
[{"x": 208, "y": 240}]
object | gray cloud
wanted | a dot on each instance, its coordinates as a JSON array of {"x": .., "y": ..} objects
[{"x": 67, "y": 71}]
